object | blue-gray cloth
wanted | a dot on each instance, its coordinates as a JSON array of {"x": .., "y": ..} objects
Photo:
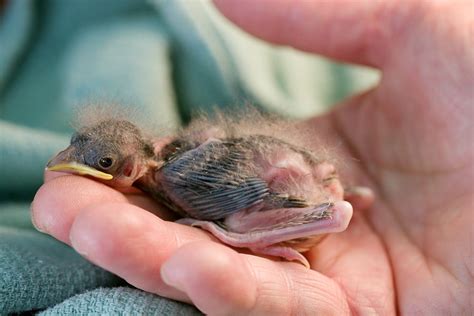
[{"x": 168, "y": 58}]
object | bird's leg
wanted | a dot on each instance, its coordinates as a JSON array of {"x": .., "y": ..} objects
[
  {"x": 287, "y": 253},
  {"x": 246, "y": 241},
  {"x": 262, "y": 231}
]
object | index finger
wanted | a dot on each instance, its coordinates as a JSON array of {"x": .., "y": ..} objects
[{"x": 115, "y": 231}]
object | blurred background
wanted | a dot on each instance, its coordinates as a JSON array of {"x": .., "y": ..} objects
[{"x": 167, "y": 58}]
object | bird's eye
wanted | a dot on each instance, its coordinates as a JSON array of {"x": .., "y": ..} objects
[{"x": 106, "y": 162}]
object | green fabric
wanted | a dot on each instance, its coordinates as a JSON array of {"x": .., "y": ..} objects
[
  {"x": 36, "y": 271},
  {"x": 166, "y": 57},
  {"x": 119, "y": 301}
]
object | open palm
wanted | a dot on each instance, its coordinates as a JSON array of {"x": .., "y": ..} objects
[{"x": 411, "y": 252}]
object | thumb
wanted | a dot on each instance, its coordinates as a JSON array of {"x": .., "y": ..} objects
[
  {"x": 221, "y": 281},
  {"x": 354, "y": 31}
]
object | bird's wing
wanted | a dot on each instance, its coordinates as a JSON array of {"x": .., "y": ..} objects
[{"x": 210, "y": 182}]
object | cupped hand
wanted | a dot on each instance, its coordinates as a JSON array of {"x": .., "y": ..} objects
[{"x": 412, "y": 252}]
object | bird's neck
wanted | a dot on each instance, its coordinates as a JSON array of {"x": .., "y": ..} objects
[
  {"x": 147, "y": 179},
  {"x": 148, "y": 183}
]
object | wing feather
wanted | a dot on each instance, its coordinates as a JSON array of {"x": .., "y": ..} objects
[{"x": 210, "y": 182}]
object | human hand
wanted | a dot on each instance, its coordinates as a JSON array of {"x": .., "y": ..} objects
[{"x": 411, "y": 252}]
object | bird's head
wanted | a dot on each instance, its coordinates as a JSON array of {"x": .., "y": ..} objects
[{"x": 113, "y": 151}]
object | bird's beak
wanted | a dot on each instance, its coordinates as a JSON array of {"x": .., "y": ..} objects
[{"x": 64, "y": 162}]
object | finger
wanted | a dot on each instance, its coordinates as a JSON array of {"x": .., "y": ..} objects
[
  {"x": 354, "y": 31},
  {"x": 59, "y": 200},
  {"x": 132, "y": 243},
  {"x": 220, "y": 281}
]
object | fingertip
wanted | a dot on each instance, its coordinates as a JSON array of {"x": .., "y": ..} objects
[
  {"x": 353, "y": 34},
  {"x": 215, "y": 277}
]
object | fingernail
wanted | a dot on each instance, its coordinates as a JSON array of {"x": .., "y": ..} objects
[
  {"x": 359, "y": 190},
  {"x": 36, "y": 225},
  {"x": 170, "y": 274},
  {"x": 80, "y": 248}
]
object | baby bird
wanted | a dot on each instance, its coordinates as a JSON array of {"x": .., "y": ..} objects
[{"x": 250, "y": 191}]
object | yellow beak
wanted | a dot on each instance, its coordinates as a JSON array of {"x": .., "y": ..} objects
[{"x": 80, "y": 169}]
